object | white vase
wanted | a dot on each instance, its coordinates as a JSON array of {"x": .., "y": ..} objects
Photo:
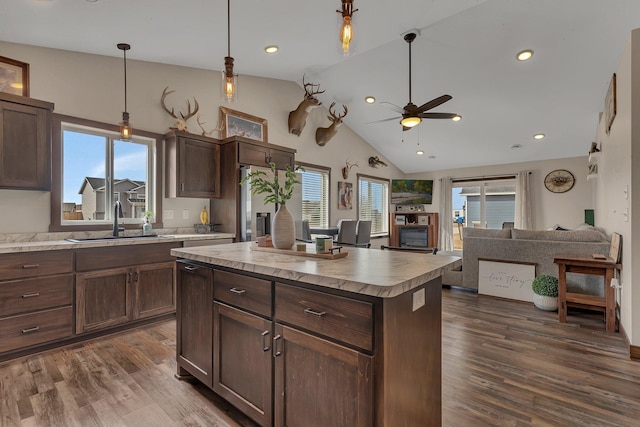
[
  {"x": 283, "y": 232},
  {"x": 545, "y": 303}
]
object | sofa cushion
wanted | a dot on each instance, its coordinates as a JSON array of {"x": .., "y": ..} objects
[
  {"x": 488, "y": 232},
  {"x": 563, "y": 236}
]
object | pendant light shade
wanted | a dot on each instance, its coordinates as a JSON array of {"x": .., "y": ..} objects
[
  {"x": 125, "y": 129},
  {"x": 229, "y": 79},
  {"x": 346, "y": 28}
]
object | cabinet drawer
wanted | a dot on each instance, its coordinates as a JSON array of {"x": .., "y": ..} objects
[
  {"x": 121, "y": 256},
  {"x": 22, "y": 296},
  {"x": 35, "y": 328},
  {"x": 245, "y": 292},
  {"x": 344, "y": 319},
  {"x": 31, "y": 264}
]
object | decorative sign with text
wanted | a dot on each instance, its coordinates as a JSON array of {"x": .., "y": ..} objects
[{"x": 506, "y": 279}]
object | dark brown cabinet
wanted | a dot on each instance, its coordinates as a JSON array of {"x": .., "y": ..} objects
[
  {"x": 420, "y": 224},
  {"x": 154, "y": 290},
  {"x": 194, "y": 316},
  {"x": 25, "y": 143},
  {"x": 319, "y": 383},
  {"x": 242, "y": 360},
  {"x": 103, "y": 299},
  {"x": 262, "y": 155},
  {"x": 192, "y": 165},
  {"x": 36, "y": 299}
]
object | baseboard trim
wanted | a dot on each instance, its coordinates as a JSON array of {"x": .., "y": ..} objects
[{"x": 634, "y": 352}]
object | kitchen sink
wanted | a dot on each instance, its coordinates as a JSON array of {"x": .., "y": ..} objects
[{"x": 97, "y": 239}]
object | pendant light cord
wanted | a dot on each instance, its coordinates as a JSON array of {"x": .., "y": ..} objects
[
  {"x": 409, "y": 72},
  {"x": 125, "y": 79},
  {"x": 228, "y": 27}
]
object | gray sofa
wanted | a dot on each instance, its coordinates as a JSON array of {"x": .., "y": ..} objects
[{"x": 538, "y": 246}]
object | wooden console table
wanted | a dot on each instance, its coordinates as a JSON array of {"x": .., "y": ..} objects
[{"x": 586, "y": 264}]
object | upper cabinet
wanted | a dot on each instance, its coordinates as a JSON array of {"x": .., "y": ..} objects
[
  {"x": 25, "y": 143},
  {"x": 256, "y": 153},
  {"x": 193, "y": 165}
]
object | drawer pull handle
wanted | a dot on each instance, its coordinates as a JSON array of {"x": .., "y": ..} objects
[
  {"x": 30, "y": 266},
  {"x": 29, "y": 330},
  {"x": 315, "y": 313},
  {"x": 35, "y": 294},
  {"x": 237, "y": 291},
  {"x": 276, "y": 353},
  {"x": 265, "y": 341},
  {"x": 190, "y": 268}
]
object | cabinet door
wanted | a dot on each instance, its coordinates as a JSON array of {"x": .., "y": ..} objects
[
  {"x": 25, "y": 147},
  {"x": 155, "y": 290},
  {"x": 319, "y": 383},
  {"x": 103, "y": 299},
  {"x": 281, "y": 158},
  {"x": 242, "y": 361},
  {"x": 199, "y": 172},
  {"x": 194, "y": 317},
  {"x": 250, "y": 154}
]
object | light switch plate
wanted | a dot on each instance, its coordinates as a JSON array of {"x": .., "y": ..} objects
[
  {"x": 185, "y": 214},
  {"x": 418, "y": 299}
]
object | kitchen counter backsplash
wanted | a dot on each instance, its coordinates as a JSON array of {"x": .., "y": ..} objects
[{"x": 46, "y": 237}]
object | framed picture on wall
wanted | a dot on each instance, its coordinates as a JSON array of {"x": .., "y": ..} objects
[
  {"x": 242, "y": 124},
  {"x": 14, "y": 76},
  {"x": 345, "y": 195}
]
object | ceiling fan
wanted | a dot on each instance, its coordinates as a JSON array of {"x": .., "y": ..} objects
[{"x": 412, "y": 115}]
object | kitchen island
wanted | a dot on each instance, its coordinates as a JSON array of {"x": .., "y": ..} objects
[{"x": 296, "y": 341}]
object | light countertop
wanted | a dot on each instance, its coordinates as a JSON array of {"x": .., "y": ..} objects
[
  {"x": 380, "y": 273},
  {"x": 11, "y": 243}
]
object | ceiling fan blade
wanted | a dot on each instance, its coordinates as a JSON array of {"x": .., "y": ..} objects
[
  {"x": 393, "y": 107},
  {"x": 434, "y": 103},
  {"x": 384, "y": 120},
  {"x": 437, "y": 115}
]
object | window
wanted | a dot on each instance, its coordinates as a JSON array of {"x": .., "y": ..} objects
[
  {"x": 373, "y": 203},
  {"x": 93, "y": 169},
  {"x": 315, "y": 195}
]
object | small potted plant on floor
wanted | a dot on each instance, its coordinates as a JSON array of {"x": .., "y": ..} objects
[{"x": 545, "y": 292}]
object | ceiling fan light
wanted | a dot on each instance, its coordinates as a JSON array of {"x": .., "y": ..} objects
[{"x": 410, "y": 121}]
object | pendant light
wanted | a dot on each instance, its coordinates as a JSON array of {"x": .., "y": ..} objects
[
  {"x": 125, "y": 129},
  {"x": 229, "y": 80},
  {"x": 346, "y": 29}
]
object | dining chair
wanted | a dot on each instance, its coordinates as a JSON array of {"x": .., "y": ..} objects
[
  {"x": 303, "y": 233},
  {"x": 363, "y": 235},
  {"x": 347, "y": 233}
]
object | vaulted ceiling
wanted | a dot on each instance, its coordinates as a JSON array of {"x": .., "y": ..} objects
[{"x": 466, "y": 48}]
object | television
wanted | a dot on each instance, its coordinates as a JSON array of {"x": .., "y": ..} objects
[{"x": 411, "y": 191}]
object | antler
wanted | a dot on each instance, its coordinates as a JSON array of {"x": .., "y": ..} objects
[
  {"x": 209, "y": 133},
  {"x": 164, "y": 106},
  {"x": 189, "y": 113},
  {"x": 332, "y": 113},
  {"x": 309, "y": 93}
]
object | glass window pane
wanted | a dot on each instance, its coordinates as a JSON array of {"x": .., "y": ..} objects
[
  {"x": 130, "y": 169},
  {"x": 315, "y": 197},
  {"x": 83, "y": 176},
  {"x": 373, "y": 196}
]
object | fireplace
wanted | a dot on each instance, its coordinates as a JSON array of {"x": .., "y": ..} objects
[{"x": 414, "y": 236}]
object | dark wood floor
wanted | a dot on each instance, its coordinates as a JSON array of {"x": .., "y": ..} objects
[{"x": 504, "y": 364}]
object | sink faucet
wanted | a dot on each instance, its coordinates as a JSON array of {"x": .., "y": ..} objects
[{"x": 117, "y": 213}]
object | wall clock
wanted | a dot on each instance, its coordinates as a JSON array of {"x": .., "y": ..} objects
[{"x": 559, "y": 181}]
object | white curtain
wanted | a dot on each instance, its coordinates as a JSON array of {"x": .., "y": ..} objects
[
  {"x": 445, "y": 242},
  {"x": 523, "y": 202}
]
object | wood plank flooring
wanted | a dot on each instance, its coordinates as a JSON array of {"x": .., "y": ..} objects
[{"x": 504, "y": 364}]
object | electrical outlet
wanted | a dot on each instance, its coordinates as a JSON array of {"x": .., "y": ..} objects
[
  {"x": 418, "y": 299},
  {"x": 185, "y": 214},
  {"x": 168, "y": 214}
]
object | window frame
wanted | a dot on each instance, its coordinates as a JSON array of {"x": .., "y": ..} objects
[
  {"x": 321, "y": 169},
  {"x": 385, "y": 204},
  {"x": 482, "y": 183},
  {"x": 56, "y": 223}
]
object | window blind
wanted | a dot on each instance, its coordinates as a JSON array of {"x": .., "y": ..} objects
[
  {"x": 373, "y": 197},
  {"x": 315, "y": 197}
]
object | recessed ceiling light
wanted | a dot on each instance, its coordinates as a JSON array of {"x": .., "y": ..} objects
[
  {"x": 538, "y": 136},
  {"x": 516, "y": 146},
  {"x": 456, "y": 118},
  {"x": 419, "y": 152},
  {"x": 369, "y": 99},
  {"x": 92, "y": 1},
  {"x": 524, "y": 55},
  {"x": 431, "y": 157},
  {"x": 271, "y": 49}
]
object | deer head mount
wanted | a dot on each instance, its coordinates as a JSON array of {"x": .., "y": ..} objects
[
  {"x": 298, "y": 117},
  {"x": 180, "y": 122},
  {"x": 219, "y": 128},
  {"x": 347, "y": 168},
  {"x": 323, "y": 135},
  {"x": 374, "y": 162}
]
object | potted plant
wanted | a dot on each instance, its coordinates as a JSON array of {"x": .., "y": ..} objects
[
  {"x": 275, "y": 191},
  {"x": 545, "y": 292}
]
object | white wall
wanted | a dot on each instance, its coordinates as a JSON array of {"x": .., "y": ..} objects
[
  {"x": 91, "y": 87},
  {"x": 618, "y": 170},
  {"x": 566, "y": 209}
]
